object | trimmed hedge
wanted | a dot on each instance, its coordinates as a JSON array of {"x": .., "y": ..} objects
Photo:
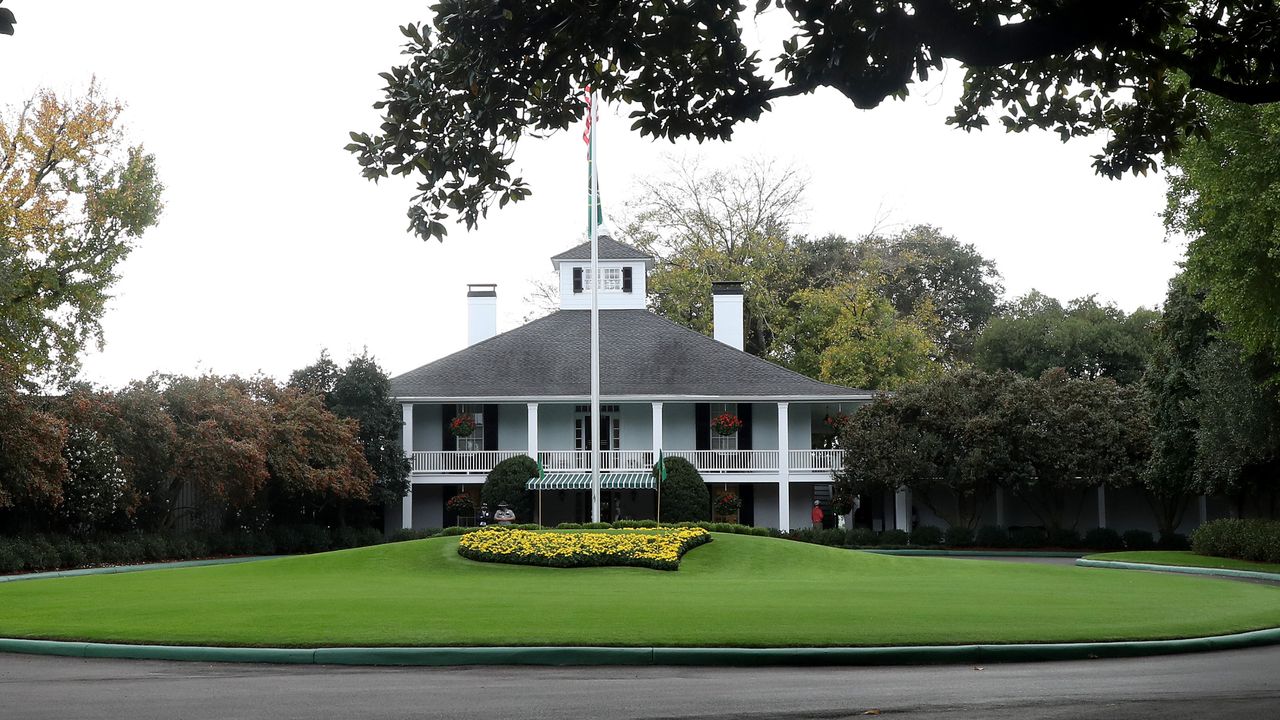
[
  {"x": 926, "y": 536},
  {"x": 1242, "y": 539},
  {"x": 40, "y": 553}
]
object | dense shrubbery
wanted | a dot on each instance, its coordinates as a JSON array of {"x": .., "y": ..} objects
[
  {"x": 957, "y": 536},
  {"x": 56, "y": 552},
  {"x": 1256, "y": 540},
  {"x": 1138, "y": 540}
]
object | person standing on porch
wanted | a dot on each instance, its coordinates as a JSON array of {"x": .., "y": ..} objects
[{"x": 817, "y": 515}]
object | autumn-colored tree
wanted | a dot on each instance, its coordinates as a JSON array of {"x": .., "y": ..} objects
[
  {"x": 74, "y": 196},
  {"x": 222, "y": 436},
  {"x": 32, "y": 469},
  {"x": 361, "y": 391},
  {"x": 315, "y": 458},
  {"x": 145, "y": 436}
]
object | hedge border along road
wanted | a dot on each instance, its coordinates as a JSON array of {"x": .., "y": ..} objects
[
  {"x": 735, "y": 657},
  {"x": 139, "y": 567},
  {"x": 1182, "y": 569},
  {"x": 911, "y": 552}
]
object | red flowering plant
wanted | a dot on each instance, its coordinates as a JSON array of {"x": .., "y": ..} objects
[
  {"x": 463, "y": 425},
  {"x": 726, "y": 424},
  {"x": 461, "y": 504},
  {"x": 727, "y": 503},
  {"x": 837, "y": 422}
]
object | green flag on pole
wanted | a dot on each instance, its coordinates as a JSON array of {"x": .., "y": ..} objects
[{"x": 593, "y": 181}]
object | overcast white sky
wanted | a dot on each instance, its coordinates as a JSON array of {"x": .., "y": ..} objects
[{"x": 272, "y": 246}]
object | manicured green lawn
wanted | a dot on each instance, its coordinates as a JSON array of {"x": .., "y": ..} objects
[
  {"x": 735, "y": 591},
  {"x": 1168, "y": 557}
]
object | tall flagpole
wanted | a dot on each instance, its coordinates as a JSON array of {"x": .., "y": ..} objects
[{"x": 593, "y": 229}]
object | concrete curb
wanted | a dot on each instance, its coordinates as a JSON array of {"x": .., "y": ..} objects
[
  {"x": 112, "y": 570},
  {"x": 1185, "y": 569},
  {"x": 976, "y": 553},
  {"x": 739, "y": 657}
]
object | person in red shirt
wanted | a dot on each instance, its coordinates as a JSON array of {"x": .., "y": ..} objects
[{"x": 817, "y": 515}]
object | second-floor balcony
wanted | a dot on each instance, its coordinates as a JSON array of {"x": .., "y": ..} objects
[{"x": 432, "y": 462}]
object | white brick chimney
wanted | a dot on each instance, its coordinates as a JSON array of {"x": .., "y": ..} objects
[
  {"x": 482, "y": 312},
  {"x": 726, "y": 319}
]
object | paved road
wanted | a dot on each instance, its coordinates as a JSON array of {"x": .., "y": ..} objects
[{"x": 1243, "y": 684}]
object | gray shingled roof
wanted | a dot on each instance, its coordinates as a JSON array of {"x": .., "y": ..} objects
[
  {"x": 641, "y": 354},
  {"x": 609, "y": 249}
]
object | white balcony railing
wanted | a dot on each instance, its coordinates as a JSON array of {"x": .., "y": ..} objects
[
  {"x": 462, "y": 461},
  {"x": 729, "y": 460},
  {"x": 707, "y": 461},
  {"x": 814, "y": 460},
  {"x": 609, "y": 459}
]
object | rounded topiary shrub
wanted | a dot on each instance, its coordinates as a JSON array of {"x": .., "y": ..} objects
[
  {"x": 926, "y": 535},
  {"x": 1103, "y": 539},
  {"x": 862, "y": 537},
  {"x": 685, "y": 497},
  {"x": 991, "y": 536},
  {"x": 958, "y": 536},
  {"x": 894, "y": 537},
  {"x": 1139, "y": 540},
  {"x": 506, "y": 484}
]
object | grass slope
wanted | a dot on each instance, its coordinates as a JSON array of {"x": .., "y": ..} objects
[
  {"x": 1186, "y": 558},
  {"x": 736, "y": 591}
]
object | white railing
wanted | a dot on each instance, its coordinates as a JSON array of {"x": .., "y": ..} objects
[
  {"x": 459, "y": 461},
  {"x": 609, "y": 459},
  {"x": 815, "y": 460},
  {"x": 729, "y": 460},
  {"x": 714, "y": 461}
]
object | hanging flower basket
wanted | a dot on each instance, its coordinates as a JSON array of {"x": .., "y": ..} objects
[
  {"x": 837, "y": 422},
  {"x": 727, "y": 504},
  {"x": 726, "y": 424},
  {"x": 461, "y": 505},
  {"x": 463, "y": 425}
]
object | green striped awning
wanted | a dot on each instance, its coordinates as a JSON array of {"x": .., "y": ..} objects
[{"x": 582, "y": 481}]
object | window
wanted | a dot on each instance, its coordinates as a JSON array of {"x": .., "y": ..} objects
[
  {"x": 724, "y": 442},
  {"x": 474, "y": 441},
  {"x": 610, "y": 279}
]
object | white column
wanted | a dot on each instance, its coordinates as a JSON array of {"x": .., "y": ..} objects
[
  {"x": 532, "y": 443},
  {"x": 406, "y": 440},
  {"x": 784, "y": 468},
  {"x": 999, "y": 506},
  {"x": 1102, "y": 506},
  {"x": 657, "y": 429},
  {"x": 1204, "y": 509},
  {"x": 902, "y": 509}
]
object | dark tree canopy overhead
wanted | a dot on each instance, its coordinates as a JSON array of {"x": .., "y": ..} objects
[{"x": 485, "y": 73}]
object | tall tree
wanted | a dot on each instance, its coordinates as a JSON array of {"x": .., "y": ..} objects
[
  {"x": 482, "y": 76},
  {"x": 74, "y": 197},
  {"x": 920, "y": 265},
  {"x": 1184, "y": 330},
  {"x": 708, "y": 225},
  {"x": 852, "y": 335},
  {"x": 1237, "y": 419},
  {"x": 1087, "y": 338},
  {"x": 1224, "y": 194}
]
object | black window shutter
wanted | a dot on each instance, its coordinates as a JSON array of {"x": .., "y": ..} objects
[
  {"x": 626, "y": 279},
  {"x": 747, "y": 513},
  {"x": 744, "y": 433},
  {"x": 702, "y": 426},
  {"x": 490, "y": 427},
  {"x": 447, "y": 413},
  {"x": 577, "y": 279}
]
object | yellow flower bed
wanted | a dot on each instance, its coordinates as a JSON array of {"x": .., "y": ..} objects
[{"x": 658, "y": 548}]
